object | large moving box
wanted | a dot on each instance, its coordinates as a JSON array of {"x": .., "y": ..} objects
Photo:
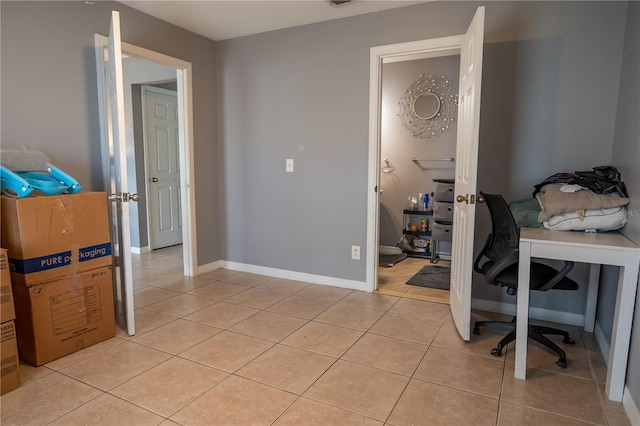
[
  {"x": 50, "y": 237},
  {"x": 7, "y": 312},
  {"x": 62, "y": 316},
  {"x": 10, "y": 366}
]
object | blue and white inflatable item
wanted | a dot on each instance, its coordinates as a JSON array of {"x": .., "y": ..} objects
[{"x": 25, "y": 171}]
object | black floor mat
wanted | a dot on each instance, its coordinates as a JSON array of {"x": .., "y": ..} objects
[{"x": 432, "y": 276}]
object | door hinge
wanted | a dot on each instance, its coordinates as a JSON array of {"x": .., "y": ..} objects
[{"x": 116, "y": 261}]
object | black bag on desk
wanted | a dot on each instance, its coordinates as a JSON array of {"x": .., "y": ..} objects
[{"x": 602, "y": 180}]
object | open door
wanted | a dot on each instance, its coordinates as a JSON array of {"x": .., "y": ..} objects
[
  {"x": 464, "y": 211},
  {"x": 119, "y": 189}
]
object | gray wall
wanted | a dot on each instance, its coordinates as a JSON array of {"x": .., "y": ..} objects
[
  {"x": 49, "y": 95},
  {"x": 626, "y": 156},
  {"x": 303, "y": 93},
  {"x": 399, "y": 145}
]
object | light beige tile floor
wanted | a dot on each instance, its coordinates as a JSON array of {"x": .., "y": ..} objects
[
  {"x": 236, "y": 348},
  {"x": 392, "y": 280}
]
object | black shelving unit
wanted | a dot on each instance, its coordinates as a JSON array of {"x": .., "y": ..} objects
[{"x": 432, "y": 255}]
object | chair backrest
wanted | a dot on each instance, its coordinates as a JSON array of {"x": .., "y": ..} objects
[
  {"x": 502, "y": 251},
  {"x": 501, "y": 247},
  {"x": 504, "y": 230}
]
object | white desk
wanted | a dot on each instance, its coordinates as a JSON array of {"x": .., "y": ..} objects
[{"x": 596, "y": 249}]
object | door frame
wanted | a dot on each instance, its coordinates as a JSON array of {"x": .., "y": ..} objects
[
  {"x": 429, "y": 48},
  {"x": 144, "y": 89},
  {"x": 185, "y": 142}
]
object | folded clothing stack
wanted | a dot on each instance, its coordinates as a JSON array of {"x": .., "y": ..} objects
[{"x": 570, "y": 207}]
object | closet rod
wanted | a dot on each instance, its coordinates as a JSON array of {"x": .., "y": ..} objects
[{"x": 435, "y": 159}]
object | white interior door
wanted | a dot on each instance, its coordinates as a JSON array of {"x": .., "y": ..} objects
[
  {"x": 163, "y": 166},
  {"x": 464, "y": 211},
  {"x": 121, "y": 195}
]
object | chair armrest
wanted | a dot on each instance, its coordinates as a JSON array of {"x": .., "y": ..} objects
[
  {"x": 495, "y": 269},
  {"x": 568, "y": 266},
  {"x": 476, "y": 264}
]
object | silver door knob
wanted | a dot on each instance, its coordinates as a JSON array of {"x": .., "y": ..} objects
[
  {"x": 124, "y": 197},
  {"x": 154, "y": 179}
]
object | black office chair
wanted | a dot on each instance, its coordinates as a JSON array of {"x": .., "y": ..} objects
[{"x": 501, "y": 269}]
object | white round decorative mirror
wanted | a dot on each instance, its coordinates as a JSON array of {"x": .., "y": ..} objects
[
  {"x": 429, "y": 106},
  {"x": 426, "y": 106}
]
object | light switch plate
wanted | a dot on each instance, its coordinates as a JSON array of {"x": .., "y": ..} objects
[
  {"x": 355, "y": 252},
  {"x": 289, "y": 165}
]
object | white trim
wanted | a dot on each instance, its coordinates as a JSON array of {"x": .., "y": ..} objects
[
  {"x": 140, "y": 250},
  {"x": 210, "y": 267},
  {"x": 292, "y": 275},
  {"x": 443, "y": 46},
  {"x": 444, "y": 256},
  {"x": 603, "y": 343},
  {"x": 630, "y": 407},
  {"x": 185, "y": 118},
  {"x": 143, "y": 102},
  {"x": 536, "y": 313}
]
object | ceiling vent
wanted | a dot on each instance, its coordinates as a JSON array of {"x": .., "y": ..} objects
[{"x": 339, "y": 2}]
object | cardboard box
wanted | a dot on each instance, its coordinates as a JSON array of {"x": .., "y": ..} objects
[
  {"x": 9, "y": 364},
  {"x": 7, "y": 311},
  {"x": 50, "y": 237},
  {"x": 59, "y": 317}
]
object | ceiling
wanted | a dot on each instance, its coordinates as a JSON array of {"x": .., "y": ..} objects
[{"x": 224, "y": 19}]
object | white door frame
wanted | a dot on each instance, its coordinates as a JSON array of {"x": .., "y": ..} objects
[
  {"x": 431, "y": 48},
  {"x": 185, "y": 120},
  {"x": 145, "y": 88}
]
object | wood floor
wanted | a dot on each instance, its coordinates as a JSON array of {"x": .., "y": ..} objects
[{"x": 392, "y": 281}]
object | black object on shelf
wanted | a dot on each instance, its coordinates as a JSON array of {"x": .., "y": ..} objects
[
  {"x": 417, "y": 233},
  {"x": 430, "y": 251},
  {"x": 418, "y": 212}
]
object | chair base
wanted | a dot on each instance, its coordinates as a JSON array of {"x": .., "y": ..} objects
[{"x": 536, "y": 333}]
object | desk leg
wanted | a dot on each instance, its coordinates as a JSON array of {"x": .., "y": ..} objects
[
  {"x": 621, "y": 333},
  {"x": 592, "y": 298},
  {"x": 522, "y": 310}
]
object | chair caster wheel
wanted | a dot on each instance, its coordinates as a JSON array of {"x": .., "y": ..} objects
[
  {"x": 569, "y": 341},
  {"x": 476, "y": 331},
  {"x": 496, "y": 352},
  {"x": 562, "y": 363}
]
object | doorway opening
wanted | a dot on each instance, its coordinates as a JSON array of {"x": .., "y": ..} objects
[
  {"x": 402, "y": 166},
  {"x": 165, "y": 70},
  {"x": 118, "y": 152},
  {"x": 470, "y": 48},
  {"x": 420, "y": 145}
]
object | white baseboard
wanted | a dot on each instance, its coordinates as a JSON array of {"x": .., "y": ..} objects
[
  {"x": 140, "y": 250},
  {"x": 602, "y": 342},
  {"x": 283, "y": 273},
  {"x": 209, "y": 267},
  {"x": 630, "y": 407},
  {"x": 534, "y": 313}
]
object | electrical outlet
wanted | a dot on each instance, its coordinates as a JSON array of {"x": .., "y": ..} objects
[
  {"x": 289, "y": 165},
  {"x": 355, "y": 252}
]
